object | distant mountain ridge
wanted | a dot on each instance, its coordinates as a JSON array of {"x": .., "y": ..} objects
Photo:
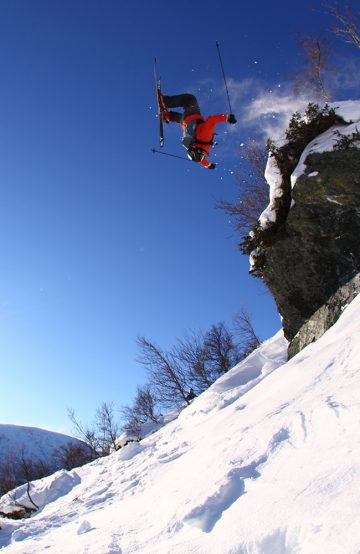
[{"x": 33, "y": 442}]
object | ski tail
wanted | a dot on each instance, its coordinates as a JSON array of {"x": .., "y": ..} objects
[
  {"x": 160, "y": 106},
  {"x": 160, "y": 115}
]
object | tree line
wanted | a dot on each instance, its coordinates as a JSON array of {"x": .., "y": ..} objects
[{"x": 190, "y": 366}]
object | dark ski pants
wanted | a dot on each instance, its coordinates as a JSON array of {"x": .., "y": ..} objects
[{"x": 186, "y": 101}]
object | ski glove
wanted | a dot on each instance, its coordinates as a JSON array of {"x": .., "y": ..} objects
[
  {"x": 212, "y": 166},
  {"x": 231, "y": 119}
]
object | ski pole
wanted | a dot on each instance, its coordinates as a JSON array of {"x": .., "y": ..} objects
[
  {"x": 223, "y": 72},
  {"x": 154, "y": 151}
]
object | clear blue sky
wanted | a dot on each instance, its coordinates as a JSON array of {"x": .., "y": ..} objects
[{"x": 101, "y": 240}]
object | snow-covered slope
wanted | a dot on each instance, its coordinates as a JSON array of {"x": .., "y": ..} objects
[
  {"x": 264, "y": 462},
  {"x": 33, "y": 442}
]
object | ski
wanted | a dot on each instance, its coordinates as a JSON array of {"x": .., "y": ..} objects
[{"x": 159, "y": 106}]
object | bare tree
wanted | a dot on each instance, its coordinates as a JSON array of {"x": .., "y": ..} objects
[
  {"x": 222, "y": 353},
  {"x": 24, "y": 470},
  {"x": 87, "y": 433},
  {"x": 101, "y": 435},
  {"x": 9, "y": 478},
  {"x": 349, "y": 26},
  {"x": 107, "y": 428},
  {"x": 30, "y": 472},
  {"x": 131, "y": 421},
  {"x": 145, "y": 405},
  {"x": 252, "y": 189},
  {"x": 192, "y": 356},
  {"x": 316, "y": 51},
  {"x": 167, "y": 378},
  {"x": 72, "y": 455},
  {"x": 244, "y": 327},
  {"x": 142, "y": 410}
]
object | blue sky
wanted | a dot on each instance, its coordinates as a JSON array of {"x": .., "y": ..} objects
[{"x": 101, "y": 240}]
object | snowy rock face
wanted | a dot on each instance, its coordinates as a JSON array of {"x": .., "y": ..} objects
[{"x": 312, "y": 266}]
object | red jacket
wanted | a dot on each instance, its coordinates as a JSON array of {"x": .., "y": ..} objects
[{"x": 205, "y": 131}]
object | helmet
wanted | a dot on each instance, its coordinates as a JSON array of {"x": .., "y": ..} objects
[{"x": 196, "y": 154}]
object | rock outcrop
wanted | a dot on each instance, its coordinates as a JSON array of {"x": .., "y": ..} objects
[
  {"x": 325, "y": 316},
  {"x": 312, "y": 263}
]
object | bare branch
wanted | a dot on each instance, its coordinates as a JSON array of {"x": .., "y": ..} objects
[
  {"x": 222, "y": 353},
  {"x": 349, "y": 25},
  {"x": 72, "y": 455},
  {"x": 106, "y": 428},
  {"x": 141, "y": 411},
  {"x": 316, "y": 51},
  {"x": 246, "y": 331},
  {"x": 166, "y": 376},
  {"x": 252, "y": 188},
  {"x": 191, "y": 354},
  {"x": 86, "y": 434},
  {"x": 145, "y": 405}
]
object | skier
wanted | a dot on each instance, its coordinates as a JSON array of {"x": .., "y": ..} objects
[
  {"x": 191, "y": 395},
  {"x": 198, "y": 131}
]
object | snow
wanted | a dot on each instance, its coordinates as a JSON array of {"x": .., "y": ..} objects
[
  {"x": 348, "y": 109},
  {"x": 274, "y": 178},
  {"x": 323, "y": 143},
  {"x": 266, "y": 461},
  {"x": 33, "y": 442},
  {"x": 146, "y": 429}
]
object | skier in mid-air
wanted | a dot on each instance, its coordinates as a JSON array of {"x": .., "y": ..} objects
[{"x": 198, "y": 131}]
